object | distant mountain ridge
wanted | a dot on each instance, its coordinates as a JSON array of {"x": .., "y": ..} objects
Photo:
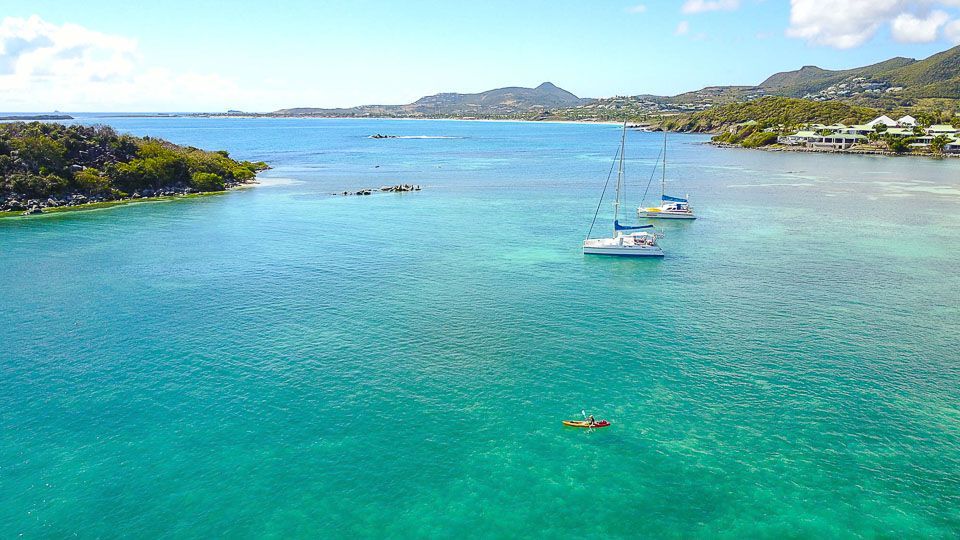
[
  {"x": 812, "y": 78},
  {"x": 899, "y": 82},
  {"x": 511, "y": 100},
  {"x": 902, "y": 80}
]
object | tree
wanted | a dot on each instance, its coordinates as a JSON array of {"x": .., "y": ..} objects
[
  {"x": 898, "y": 145},
  {"x": 938, "y": 143},
  {"x": 880, "y": 128}
]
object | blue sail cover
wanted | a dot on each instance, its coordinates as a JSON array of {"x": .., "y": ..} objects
[
  {"x": 667, "y": 198},
  {"x": 618, "y": 227}
]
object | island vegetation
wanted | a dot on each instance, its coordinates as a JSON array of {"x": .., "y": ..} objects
[
  {"x": 770, "y": 111},
  {"x": 50, "y": 165}
]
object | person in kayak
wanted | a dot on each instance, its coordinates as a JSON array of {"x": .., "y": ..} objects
[{"x": 592, "y": 421}]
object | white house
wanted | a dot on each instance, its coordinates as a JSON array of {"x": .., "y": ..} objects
[
  {"x": 907, "y": 121},
  {"x": 885, "y": 120}
]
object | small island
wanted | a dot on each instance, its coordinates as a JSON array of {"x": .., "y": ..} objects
[
  {"x": 44, "y": 117},
  {"x": 53, "y": 167}
]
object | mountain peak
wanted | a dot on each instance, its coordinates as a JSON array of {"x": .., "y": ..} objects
[{"x": 547, "y": 86}]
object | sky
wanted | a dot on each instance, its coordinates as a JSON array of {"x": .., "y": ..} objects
[{"x": 205, "y": 55}]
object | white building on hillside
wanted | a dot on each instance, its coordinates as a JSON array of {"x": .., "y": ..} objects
[
  {"x": 907, "y": 121},
  {"x": 885, "y": 120}
]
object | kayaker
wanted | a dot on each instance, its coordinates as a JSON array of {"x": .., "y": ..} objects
[{"x": 592, "y": 421}]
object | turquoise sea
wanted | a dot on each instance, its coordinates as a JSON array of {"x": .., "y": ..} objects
[{"x": 277, "y": 362}]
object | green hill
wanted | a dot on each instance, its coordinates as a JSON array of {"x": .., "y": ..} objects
[
  {"x": 812, "y": 78},
  {"x": 895, "y": 82},
  {"x": 771, "y": 111},
  {"x": 513, "y": 100}
]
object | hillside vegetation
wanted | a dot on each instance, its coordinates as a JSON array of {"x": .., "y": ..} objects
[
  {"x": 771, "y": 111},
  {"x": 40, "y": 161},
  {"x": 812, "y": 78}
]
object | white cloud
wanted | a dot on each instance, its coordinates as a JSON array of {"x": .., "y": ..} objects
[
  {"x": 32, "y": 47},
  {"x": 908, "y": 28},
  {"x": 952, "y": 32},
  {"x": 682, "y": 29},
  {"x": 851, "y": 23},
  {"x": 700, "y": 6},
  {"x": 44, "y": 66},
  {"x": 639, "y": 8}
]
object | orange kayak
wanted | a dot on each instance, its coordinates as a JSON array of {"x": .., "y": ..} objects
[{"x": 585, "y": 424}]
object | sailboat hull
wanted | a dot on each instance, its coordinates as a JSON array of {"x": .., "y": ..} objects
[
  {"x": 623, "y": 252},
  {"x": 610, "y": 246},
  {"x": 659, "y": 214}
]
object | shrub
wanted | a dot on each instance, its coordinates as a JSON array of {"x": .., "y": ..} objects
[
  {"x": 92, "y": 181},
  {"x": 41, "y": 153},
  {"x": 207, "y": 181},
  {"x": 33, "y": 185},
  {"x": 760, "y": 138}
]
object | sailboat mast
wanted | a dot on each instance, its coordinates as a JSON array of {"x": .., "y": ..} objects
[
  {"x": 663, "y": 171},
  {"x": 616, "y": 205}
]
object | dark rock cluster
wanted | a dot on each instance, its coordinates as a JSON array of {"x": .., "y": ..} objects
[{"x": 399, "y": 188}]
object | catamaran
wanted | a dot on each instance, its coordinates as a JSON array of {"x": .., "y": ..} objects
[
  {"x": 640, "y": 243},
  {"x": 670, "y": 207}
]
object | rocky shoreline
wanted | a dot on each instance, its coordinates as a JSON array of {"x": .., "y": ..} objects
[{"x": 15, "y": 202}]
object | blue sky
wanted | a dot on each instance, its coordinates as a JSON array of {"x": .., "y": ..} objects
[{"x": 260, "y": 56}]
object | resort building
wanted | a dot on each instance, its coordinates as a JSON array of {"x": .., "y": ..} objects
[
  {"x": 836, "y": 141},
  {"x": 860, "y": 129},
  {"x": 952, "y": 147},
  {"x": 941, "y": 129},
  {"x": 841, "y": 137},
  {"x": 798, "y": 138}
]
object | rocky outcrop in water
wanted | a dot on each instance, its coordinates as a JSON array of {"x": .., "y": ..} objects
[{"x": 399, "y": 188}]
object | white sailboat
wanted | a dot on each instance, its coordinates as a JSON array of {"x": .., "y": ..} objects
[
  {"x": 641, "y": 242},
  {"x": 670, "y": 207}
]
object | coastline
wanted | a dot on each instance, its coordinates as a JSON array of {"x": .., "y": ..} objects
[
  {"x": 104, "y": 205},
  {"x": 848, "y": 151},
  {"x": 301, "y": 117}
]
